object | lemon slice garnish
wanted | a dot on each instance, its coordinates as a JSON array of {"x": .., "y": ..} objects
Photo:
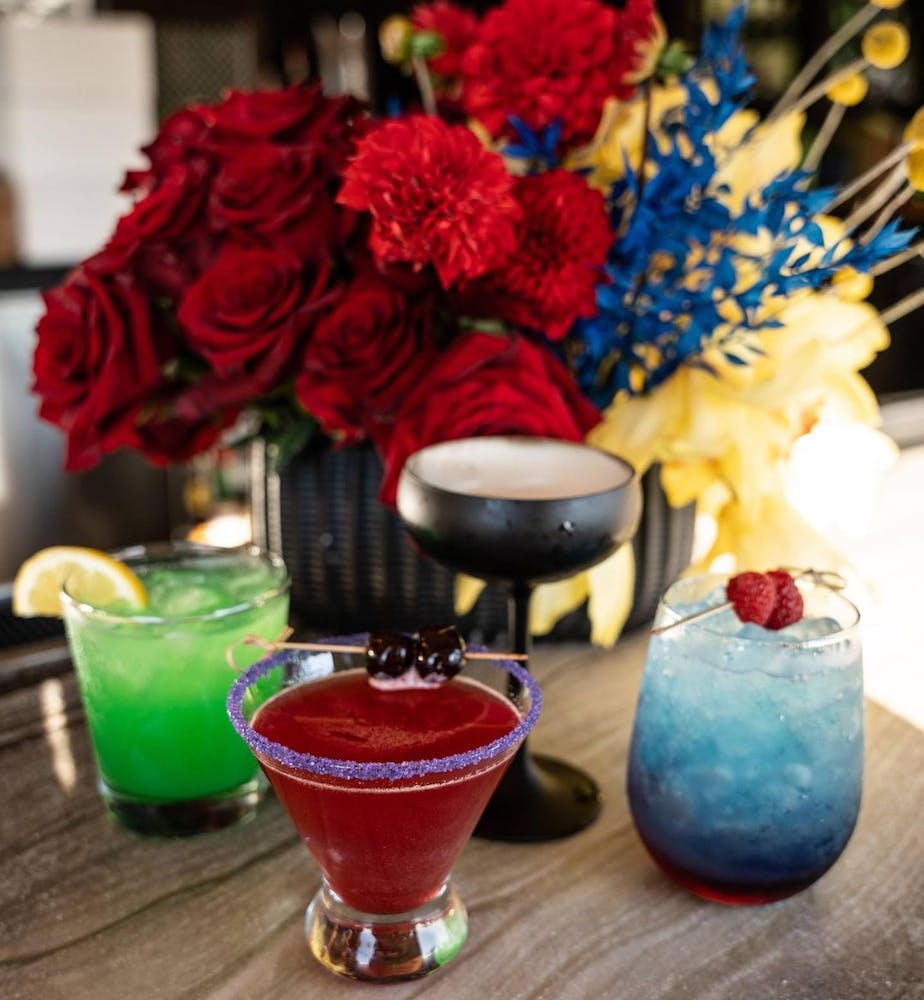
[{"x": 91, "y": 576}]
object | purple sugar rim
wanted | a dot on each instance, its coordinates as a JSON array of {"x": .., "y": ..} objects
[{"x": 373, "y": 770}]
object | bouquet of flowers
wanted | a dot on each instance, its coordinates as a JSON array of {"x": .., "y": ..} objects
[{"x": 583, "y": 232}]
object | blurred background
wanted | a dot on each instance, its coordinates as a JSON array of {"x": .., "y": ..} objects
[{"x": 83, "y": 85}]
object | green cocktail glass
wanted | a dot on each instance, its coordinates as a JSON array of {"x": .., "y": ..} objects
[{"x": 154, "y": 684}]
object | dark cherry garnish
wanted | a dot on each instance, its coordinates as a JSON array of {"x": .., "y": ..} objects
[
  {"x": 440, "y": 652},
  {"x": 390, "y": 654}
]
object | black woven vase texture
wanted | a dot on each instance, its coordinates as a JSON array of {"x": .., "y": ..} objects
[{"x": 354, "y": 568}]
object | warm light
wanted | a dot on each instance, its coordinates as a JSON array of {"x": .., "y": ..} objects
[
  {"x": 835, "y": 473},
  {"x": 227, "y": 531},
  {"x": 54, "y": 723}
]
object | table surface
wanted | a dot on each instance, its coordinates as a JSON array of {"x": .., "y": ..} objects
[{"x": 91, "y": 912}]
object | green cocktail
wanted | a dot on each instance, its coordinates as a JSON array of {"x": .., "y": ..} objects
[{"x": 154, "y": 684}]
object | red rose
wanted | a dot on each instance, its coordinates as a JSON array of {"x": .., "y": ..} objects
[
  {"x": 546, "y": 61},
  {"x": 277, "y": 195},
  {"x": 552, "y": 278},
  {"x": 170, "y": 210},
  {"x": 364, "y": 357},
  {"x": 246, "y": 316},
  {"x": 181, "y": 138},
  {"x": 437, "y": 197},
  {"x": 486, "y": 384},
  {"x": 164, "y": 437},
  {"x": 298, "y": 114},
  {"x": 100, "y": 353}
]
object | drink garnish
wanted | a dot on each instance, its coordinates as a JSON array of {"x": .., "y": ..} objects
[
  {"x": 753, "y": 596},
  {"x": 747, "y": 597},
  {"x": 431, "y": 656},
  {"x": 789, "y": 605},
  {"x": 91, "y": 576}
]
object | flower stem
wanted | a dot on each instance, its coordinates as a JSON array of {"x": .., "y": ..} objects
[
  {"x": 817, "y": 62},
  {"x": 822, "y": 88},
  {"x": 877, "y": 199},
  {"x": 858, "y": 183},
  {"x": 891, "y": 208},
  {"x": 916, "y": 250},
  {"x": 424, "y": 84},
  {"x": 819, "y": 147},
  {"x": 903, "y": 307}
]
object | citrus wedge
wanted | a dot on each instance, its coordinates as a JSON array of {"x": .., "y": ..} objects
[{"x": 91, "y": 576}]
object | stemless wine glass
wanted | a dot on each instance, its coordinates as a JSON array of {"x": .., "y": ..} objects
[
  {"x": 385, "y": 788},
  {"x": 154, "y": 683},
  {"x": 746, "y": 763}
]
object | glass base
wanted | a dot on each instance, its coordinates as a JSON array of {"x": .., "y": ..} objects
[
  {"x": 184, "y": 819},
  {"x": 539, "y": 798},
  {"x": 731, "y": 894},
  {"x": 385, "y": 947}
]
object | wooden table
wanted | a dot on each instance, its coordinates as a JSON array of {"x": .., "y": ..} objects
[{"x": 91, "y": 912}]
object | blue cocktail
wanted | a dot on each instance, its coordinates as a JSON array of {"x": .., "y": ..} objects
[{"x": 746, "y": 762}]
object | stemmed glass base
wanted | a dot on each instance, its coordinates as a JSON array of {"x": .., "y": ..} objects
[
  {"x": 540, "y": 798},
  {"x": 385, "y": 947}
]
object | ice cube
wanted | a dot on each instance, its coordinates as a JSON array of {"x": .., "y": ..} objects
[{"x": 810, "y": 628}]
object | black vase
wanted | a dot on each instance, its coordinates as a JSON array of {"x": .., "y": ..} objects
[{"x": 354, "y": 568}]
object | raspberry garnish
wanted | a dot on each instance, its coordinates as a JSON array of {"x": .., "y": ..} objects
[
  {"x": 789, "y": 606},
  {"x": 753, "y": 596}
]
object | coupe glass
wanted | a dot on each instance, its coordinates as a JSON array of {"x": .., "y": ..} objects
[
  {"x": 154, "y": 684},
  {"x": 522, "y": 511},
  {"x": 385, "y": 828},
  {"x": 746, "y": 763}
]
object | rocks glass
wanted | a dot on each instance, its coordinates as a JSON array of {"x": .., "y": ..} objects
[{"x": 154, "y": 684}]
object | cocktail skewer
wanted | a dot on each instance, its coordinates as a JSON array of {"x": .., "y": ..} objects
[
  {"x": 273, "y": 645},
  {"x": 819, "y": 577}
]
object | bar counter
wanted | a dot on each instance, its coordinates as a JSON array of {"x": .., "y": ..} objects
[{"x": 89, "y": 911}]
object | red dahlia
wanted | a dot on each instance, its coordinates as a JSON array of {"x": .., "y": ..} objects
[
  {"x": 437, "y": 197},
  {"x": 551, "y": 279},
  {"x": 456, "y": 26},
  {"x": 544, "y": 60}
]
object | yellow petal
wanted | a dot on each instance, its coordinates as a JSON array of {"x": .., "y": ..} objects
[
  {"x": 552, "y": 601},
  {"x": 774, "y": 148},
  {"x": 611, "y": 585},
  {"x": 850, "y": 284},
  {"x": 468, "y": 590}
]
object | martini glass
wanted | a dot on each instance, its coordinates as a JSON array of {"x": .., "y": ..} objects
[
  {"x": 523, "y": 511},
  {"x": 385, "y": 787}
]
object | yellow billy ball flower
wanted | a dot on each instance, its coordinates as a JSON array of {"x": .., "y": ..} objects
[
  {"x": 914, "y": 130},
  {"x": 885, "y": 45},
  {"x": 887, "y": 4},
  {"x": 914, "y": 167},
  {"x": 850, "y": 91},
  {"x": 395, "y": 34}
]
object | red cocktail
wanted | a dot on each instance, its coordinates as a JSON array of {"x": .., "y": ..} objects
[{"x": 385, "y": 787}]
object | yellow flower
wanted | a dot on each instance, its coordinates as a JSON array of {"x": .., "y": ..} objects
[
  {"x": 886, "y": 44},
  {"x": 773, "y": 148},
  {"x": 850, "y": 91},
  {"x": 887, "y": 4},
  {"x": 914, "y": 130},
  {"x": 725, "y": 440},
  {"x": 395, "y": 34},
  {"x": 850, "y": 284},
  {"x": 914, "y": 167}
]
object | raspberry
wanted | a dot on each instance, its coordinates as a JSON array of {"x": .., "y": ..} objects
[
  {"x": 753, "y": 596},
  {"x": 789, "y": 605}
]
